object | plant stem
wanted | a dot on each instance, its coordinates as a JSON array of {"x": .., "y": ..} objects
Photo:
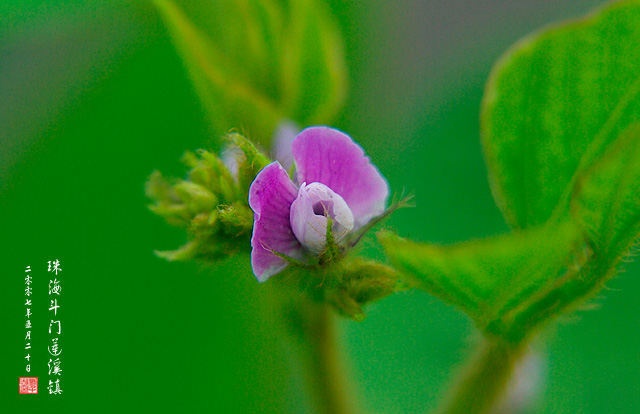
[
  {"x": 330, "y": 391},
  {"x": 485, "y": 380}
]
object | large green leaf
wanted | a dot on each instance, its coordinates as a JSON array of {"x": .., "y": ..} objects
[
  {"x": 562, "y": 140},
  {"x": 255, "y": 63},
  {"x": 605, "y": 202},
  {"x": 554, "y": 103},
  {"x": 606, "y": 197},
  {"x": 488, "y": 278},
  {"x": 512, "y": 284}
]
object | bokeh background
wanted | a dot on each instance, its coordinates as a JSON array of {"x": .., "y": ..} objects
[{"x": 93, "y": 98}]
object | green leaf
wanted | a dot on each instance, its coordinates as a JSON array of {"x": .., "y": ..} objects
[
  {"x": 314, "y": 74},
  {"x": 561, "y": 133},
  {"x": 606, "y": 197},
  {"x": 513, "y": 284},
  {"x": 554, "y": 103},
  {"x": 255, "y": 63},
  {"x": 489, "y": 278}
]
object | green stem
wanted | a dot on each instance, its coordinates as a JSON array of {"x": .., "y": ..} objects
[
  {"x": 330, "y": 391},
  {"x": 484, "y": 382}
]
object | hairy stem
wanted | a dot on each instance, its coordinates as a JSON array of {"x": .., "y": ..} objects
[{"x": 485, "y": 380}]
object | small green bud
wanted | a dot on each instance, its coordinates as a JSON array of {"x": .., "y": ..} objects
[
  {"x": 209, "y": 203},
  {"x": 159, "y": 189},
  {"x": 237, "y": 215},
  {"x": 209, "y": 171},
  {"x": 174, "y": 214},
  {"x": 213, "y": 217},
  {"x": 195, "y": 196},
  {"x": 252, "y": 162},
  {"x": 167, "y": 202},
  {"x": 186, "y": 252}
]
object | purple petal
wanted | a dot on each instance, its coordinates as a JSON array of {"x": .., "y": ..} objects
[
  {"x": 328, "y": 156},
  {"x": 309, "y": 214},
  {"x": 270, "y": 198}
]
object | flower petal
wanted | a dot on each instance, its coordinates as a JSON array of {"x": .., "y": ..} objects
[
  {"x": 309, "y": 214},
  {"x": 328, "y": 156},
  {"x": 270, "y": 198}
]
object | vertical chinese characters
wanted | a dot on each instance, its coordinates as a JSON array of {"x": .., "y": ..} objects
[
  {"x": 55, "y": 328},
  {"x": 28, "y": 385},
  {"x": 28, "y": 291}
]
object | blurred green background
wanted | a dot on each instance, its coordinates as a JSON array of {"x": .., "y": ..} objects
[{"x": 93, "y": 97}]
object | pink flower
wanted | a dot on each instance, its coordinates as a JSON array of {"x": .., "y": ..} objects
[{"x": 336, "y": 180}]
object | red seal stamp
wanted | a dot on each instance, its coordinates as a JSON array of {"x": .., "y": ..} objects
[{"x": 28, "y": 385}]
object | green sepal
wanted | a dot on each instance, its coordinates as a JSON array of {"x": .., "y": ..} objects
[
  {"x": 404, "y": 202},
  {"x": 368, "y": 281},
  {"x": 348, "y": 284},
  {"x": 363, "y": 282},
  {"x": 332, "y": 251}
]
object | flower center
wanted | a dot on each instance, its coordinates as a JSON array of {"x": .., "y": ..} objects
[
  {"x": 323, "y": 208},
  {"x": 309, "y": 212}
]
